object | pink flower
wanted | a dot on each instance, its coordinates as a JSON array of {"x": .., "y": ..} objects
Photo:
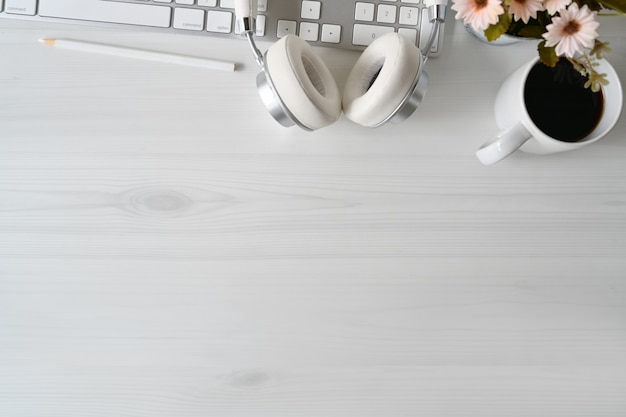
[
  {"x": 525, "y": 9},
  {"x": 553, "y": 6},
  {"x": 572, "y": 31},
  {"x": 478, "y": 13}
]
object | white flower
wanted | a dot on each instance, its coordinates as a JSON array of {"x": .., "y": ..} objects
[
  {"x": 525, "y": 9},
  {"x": 572, "y": 31},
  {"x": 553, "y": 6},
  {"x": 478, "y": 13}
]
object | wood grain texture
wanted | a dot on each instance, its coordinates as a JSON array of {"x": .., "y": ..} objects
[{"x": 167, "y": 250}]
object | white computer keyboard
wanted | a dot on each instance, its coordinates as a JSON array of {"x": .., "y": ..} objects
[{"x": 347, "y": 24}]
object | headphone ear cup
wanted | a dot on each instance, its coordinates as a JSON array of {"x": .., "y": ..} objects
[
  {"x": 381, "y": 79},
  {"x": 303, "y": 83}
]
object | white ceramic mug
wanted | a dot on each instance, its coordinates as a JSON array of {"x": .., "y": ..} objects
[{"x": 520, "y": 132}]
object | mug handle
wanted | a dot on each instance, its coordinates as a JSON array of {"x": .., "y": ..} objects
[{"x": 504, "y": 144}]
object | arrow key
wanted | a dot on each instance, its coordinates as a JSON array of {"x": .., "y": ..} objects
[
  {"x": 286, "y": 27},
  {"x": 331, "y": 33}
]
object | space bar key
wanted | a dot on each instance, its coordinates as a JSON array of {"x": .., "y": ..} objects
[{"x": 107, "y": 11}]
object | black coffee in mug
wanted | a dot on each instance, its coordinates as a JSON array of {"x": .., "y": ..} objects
[{"x": 559, "y": 104}]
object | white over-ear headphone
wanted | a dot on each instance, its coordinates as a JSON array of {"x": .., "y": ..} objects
[{"x": 386, "y": 83}]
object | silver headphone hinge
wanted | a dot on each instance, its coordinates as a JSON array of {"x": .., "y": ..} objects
[
  {"x": 247, "y": 24},
  {"x": 437, "y": 12},
  {"x": 431, "y": 40},
  {"x": 258, "y": 55}
]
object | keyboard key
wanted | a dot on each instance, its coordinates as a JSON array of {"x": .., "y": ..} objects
[
  {"x": 107, "y": 11},
  {"x": 364, "y": 12},
  {"x": 227, "y": 4},
  {"x": 188, "y": 19},
  {"x": 409, "y": 15},
  {"x": 410, "y": 34},
  {"x": 185, "y": 2},
  {"x": 207, "y": 3},
  {"x": 363, "y": 35},
  {"x": 411, "y": 1},
  {"x": 331, "y": 33},
  {"x": 285, "y": 27},
  {"x": 260, "y": 25},
  {"x": 310, "y": 10},
  {"x": 219, "y": 21},
  {"x": 309, "y": 31},
  {"x": 386, "y": 13},
  {"x": 26, "y": 7}
]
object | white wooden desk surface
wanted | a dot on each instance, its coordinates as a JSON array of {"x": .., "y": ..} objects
[{"x": 167, "y": 249}]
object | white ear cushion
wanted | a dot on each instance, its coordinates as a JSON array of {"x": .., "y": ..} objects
[
  {"x": 303, "y": 82},
  {"x": 381, "y": 78}
]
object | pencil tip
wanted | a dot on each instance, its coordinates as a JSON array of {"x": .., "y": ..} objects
[{"x": 47, "y": 41}]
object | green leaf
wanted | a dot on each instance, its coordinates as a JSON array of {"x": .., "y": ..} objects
[
  {"x": 598, "y": 5},
  {"x": 534, "y": 28},
  {"x": 618, "y": 5},
  {"x": 493, "y": 32},
  {"x": 532, "y": 32},
  {"x": 547, "y": 54},
  {"x": 592, "y": 4}
]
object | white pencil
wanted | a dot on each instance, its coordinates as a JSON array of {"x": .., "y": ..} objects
[{"x": 101, "y": 48}]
